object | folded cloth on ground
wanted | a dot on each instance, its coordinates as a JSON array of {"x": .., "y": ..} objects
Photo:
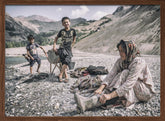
[
  {"x": 97, "y": 70},
  {"x": 87, "y": 84},
  {"x": 93, "y": 70}
]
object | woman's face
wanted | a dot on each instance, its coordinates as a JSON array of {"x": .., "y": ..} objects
[{"x": 122, "y": 53}]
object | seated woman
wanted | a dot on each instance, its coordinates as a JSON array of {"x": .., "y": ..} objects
[{"x": 130, "y": 78}]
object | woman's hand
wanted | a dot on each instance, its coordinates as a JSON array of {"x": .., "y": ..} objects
[
  {"x": 104, "y": 98},
  {"x": 100, "y": 89}
]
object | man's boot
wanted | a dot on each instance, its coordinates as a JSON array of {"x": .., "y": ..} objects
[{"x": 85, "y": 103}]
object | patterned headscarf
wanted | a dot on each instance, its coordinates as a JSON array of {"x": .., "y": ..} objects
[{"x": 130, "y": 50}]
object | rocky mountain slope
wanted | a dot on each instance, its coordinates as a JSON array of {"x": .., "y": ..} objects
[
  {"x": 42, "y": 24},
  {"x": 34, "y": 17},
  {"x": 85, "y": 29},
  {"x": 15, "y": 31},
  {"x": 138, "y": 22}
]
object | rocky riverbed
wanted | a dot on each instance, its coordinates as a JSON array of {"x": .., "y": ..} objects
[{"x": 42, "y": 94}]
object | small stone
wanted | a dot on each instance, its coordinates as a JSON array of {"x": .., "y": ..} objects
[
  {"x": 118, "y": 114},
  {"x": 57, "y": 105}
]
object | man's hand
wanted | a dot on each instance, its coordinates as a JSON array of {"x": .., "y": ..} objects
[
  {"x": 32, "y": 58},
  {"x": 44, "y": 51},
  {"x": 73, "y": 44},
  {"x": 54, "y": 49},
  {"x": 46, "y": 55}
]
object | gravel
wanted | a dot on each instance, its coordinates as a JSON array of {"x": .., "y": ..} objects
[{"x": 42, "y": 94}]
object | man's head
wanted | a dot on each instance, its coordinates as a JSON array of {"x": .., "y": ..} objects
[
  {"x": 30, "y": 38},
  {"x": 66, "y": 22}
]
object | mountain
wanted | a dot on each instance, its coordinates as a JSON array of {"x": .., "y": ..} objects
[
  {"x": 140, "y": 23},
  {"x": 15, "y": 31},
  {"x": 38, "y": 20},
  {"x": 35, "y": 17},
  {"x": 42, "y": 24},
  {"x": 87, "y": 28}
]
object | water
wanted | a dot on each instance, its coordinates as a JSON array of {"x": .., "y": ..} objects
[{"x": 17, "y": 60}]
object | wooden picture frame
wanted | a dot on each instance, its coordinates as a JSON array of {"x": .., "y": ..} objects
[{"x": 3, "y": 3}]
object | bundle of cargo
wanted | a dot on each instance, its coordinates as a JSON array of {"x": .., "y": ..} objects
[{"x": 53, "y": 58}]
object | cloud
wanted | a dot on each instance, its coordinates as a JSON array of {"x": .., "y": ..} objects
[
  {"x": 59, "y": 9},
  {"x": 98, "y": 15},
  {"x": 81, "y": 12}
]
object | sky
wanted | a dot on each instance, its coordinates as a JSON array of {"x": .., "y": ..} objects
[{"x": 56, "y": 12}]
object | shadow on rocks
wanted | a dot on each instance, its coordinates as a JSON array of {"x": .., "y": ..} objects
[
  {"x": 41, "y": 77},
  {"x": 70, "y": 113},
  {"x": 25, "y": 65}
]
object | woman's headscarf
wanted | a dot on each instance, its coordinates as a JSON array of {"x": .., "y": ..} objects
[{"x": 131, "y": 52}]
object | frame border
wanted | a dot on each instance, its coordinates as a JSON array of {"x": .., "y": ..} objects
[{"x": 80, "y": 2}]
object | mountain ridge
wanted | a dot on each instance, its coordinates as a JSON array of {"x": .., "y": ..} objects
[
  {"x": 35, "y": 17},
  {"x": 138, "y": 23}
]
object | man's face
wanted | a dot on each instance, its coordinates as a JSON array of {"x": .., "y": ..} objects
[
  {"x": 66, "y": 23},
  {"x": 122, "y": 53},
  {"x": 31, "y": 41}
]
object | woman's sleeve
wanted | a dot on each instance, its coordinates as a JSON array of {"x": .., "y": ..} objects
[
  {"x": 134, "y": 72},
  {"x": 112, "y": 73}
]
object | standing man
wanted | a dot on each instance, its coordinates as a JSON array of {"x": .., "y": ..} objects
[{"x": 68, "y": 36}]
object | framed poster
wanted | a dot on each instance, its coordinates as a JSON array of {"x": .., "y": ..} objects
[{"x": 99, "y": 26}]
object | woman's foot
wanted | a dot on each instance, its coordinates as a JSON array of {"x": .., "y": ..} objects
[
  {"x": 128, "y": 104},
  {"x": 124, "y": 102}
]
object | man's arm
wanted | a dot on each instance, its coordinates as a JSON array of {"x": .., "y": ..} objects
[
  {"x": 74, "y": 41},
  {"x": 54, "y": 45},
  {"x": 44, "y": 51},
  {"x": 28, "y": 53}
]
